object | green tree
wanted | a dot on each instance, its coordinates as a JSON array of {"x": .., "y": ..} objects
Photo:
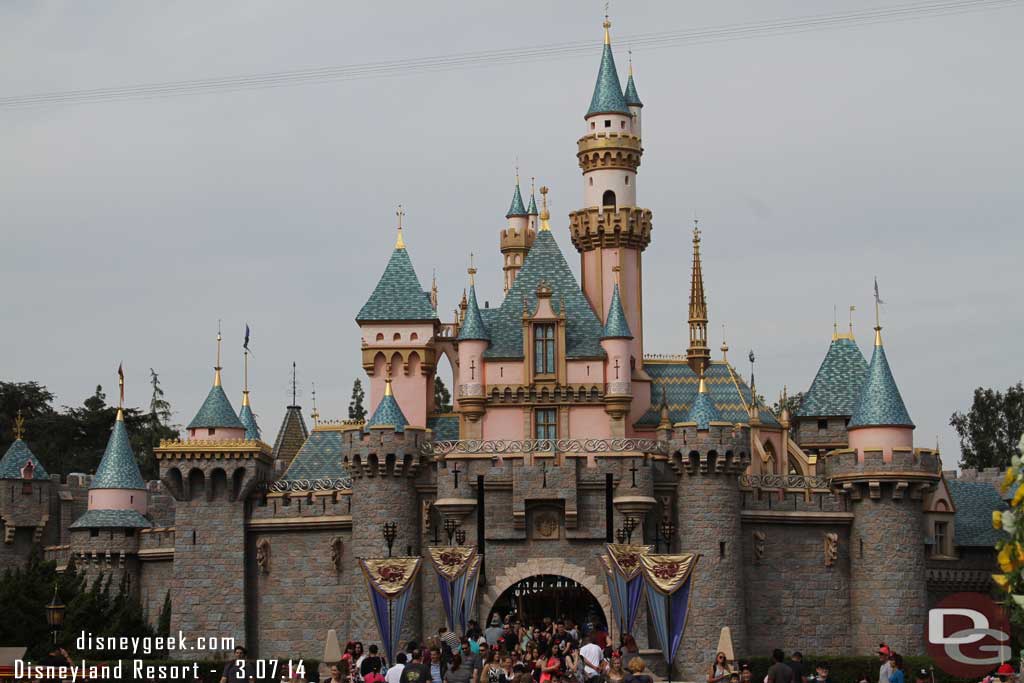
[
  {"x": 163, "y": 623},
  {"x": 356, "y": 409},
  {"x": 990, "y": 430},
  {"x": 442, "y": 399}
]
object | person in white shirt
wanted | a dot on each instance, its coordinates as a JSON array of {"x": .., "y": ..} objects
[
  {"x": 394, "y": 674},
  {"x": 885, "y": 670},
  {"x": 593, "y": 660}
]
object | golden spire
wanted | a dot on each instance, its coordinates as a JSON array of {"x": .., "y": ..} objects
[
  {"x": 725, "y": 346},
  {"x": 545, "y": 215},
  {"x": 245, "y": 378},
  {"x": 399, "y": 242},
  {"x": 702, "y": 387},
  {"x": 120, "y": 386},
  {"x": 216, "y": 368},
  {"x": 607, "y": 25},
  {"x": 698, "y": 354},
  {"x": 630, "y": 52},
  {"x": 471, "y": 270},
  {"x": 19, "y": 426},
  {"x": 835, "y": 323},
  {"x": 878, "y": 318},
  {"x": 316, "y": 413},
  {"x": 852, "y": 309},
  {"x": 387, "y": 380},
  {"x": 433, "y": 290}
]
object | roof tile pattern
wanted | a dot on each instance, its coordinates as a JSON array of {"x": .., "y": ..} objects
[
  {"x": 248, "y": 419},
  {"x": 444, "y": 427},
  {"x": 974, "y": 502},
  {"x": 319, "y": 458},
  {"x": 16, "y": 457},
  {"x": 398, "y": 294},
  {"x": 388, "y": 414},
  {"x": 216, "y": 412},
  {"x": 607, "y": 97},
  {"x": 104, "y": 519},
  {"x": 631, "y": 96},
  {"x": 118, "y": 468},
  {"x": 837, "y": 385},
  {"x": 544, "y": 262},
  {"x": 616, "y": 326},
  {"x": 703, "y": 411},
  {"x": 472, "y": 327},
  {"x": 517, "y": 208},
  {"x": 880, "y": 403},
  {"x": 290, "y": 437},
  {"x": 726, "y": 389}
]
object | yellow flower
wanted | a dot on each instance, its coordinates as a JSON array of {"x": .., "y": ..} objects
[
  {"x": 1011, "y": 474},
  {"x": 1018, "y": 496},
  {"x": 1007, "y": 558},
  {"x": 1019, "y": 599},
  {"x": 997, "y": 519},
  {"x": 1002, "y": 580}
]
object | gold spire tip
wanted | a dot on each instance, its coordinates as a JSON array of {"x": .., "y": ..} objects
[
  {"x": 399, "y": 241},
  {"x": 387, "y": 381},
  {"x": 19, "y": 426},
  {"x": 216, "y": 368},
  {"x": 545, "y": 215},
  {"x": 607, "y": 25},
  {"x": 120, "y": 415}
]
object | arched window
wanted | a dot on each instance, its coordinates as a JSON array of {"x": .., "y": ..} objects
[
  {"x": 608, "y": 199},
  {"x": 380, "y": 336},
  {"x": 397, "y": 337}
]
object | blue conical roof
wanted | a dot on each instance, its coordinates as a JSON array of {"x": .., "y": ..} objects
[
  {"x": 880, "y": 403},
  {"x": 532, "y": 209},
  {"x": 216, "y": 412},
  {"x": 631, "y": 96},
  {"x": 837, "y": 385},
  {"x": 248, "y": 420},
  {"x": 118, "y": 468},
  {"x": 388, "y": 413},
  {"x": 398, "y": 294},
  {"x": 703, "y": 410},
  {"x": 517, "y": 208},
  {"x": 616, "y": 325},
  {"x": 608, "y": 98},
  {"x": 15, "y": 459},
  {"x": 472, "y": 327}
]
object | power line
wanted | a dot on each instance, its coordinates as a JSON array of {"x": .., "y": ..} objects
[{"x": 413, "y": 66}]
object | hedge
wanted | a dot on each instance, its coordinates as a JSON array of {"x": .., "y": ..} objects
[{"x": 849, "y": 669}]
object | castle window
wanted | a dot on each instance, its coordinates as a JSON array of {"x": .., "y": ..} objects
[
  {"x": 627, "y": 180},
  {"x": 94, "y": 533},
  {"x": 822, "y": 425},
  {"x": 591, "y": 125},
  {"x": 622, "y": 124},
  {"x": 380, "y": 336},
  {"x": 414, "y": 337},
  {"x": 397, "y": 337},
  {"x": 607, "y": 123},
  {"x": 210, "y": 431},
  {"x": 608, "y": 199},
  {"x": 941, "y": 535},
  {"x": 544, "y": 349},
  {"x": 129, "y": 532},
  {"x": 545, "y": 425}
]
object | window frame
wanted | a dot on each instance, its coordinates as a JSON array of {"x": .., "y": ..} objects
[
  {"x": 545, "y": 351},
  {"x": 546, "y": 429}
]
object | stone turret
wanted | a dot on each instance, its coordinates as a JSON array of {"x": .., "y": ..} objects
[
  {"x": 518, "y": 236},
  {"x": 615, "y": 340},
  {"x": 885, "y": 479},
  {"x": 473, "y": 341},
  {"x": 384, "y": 460},
  {"x": 25, "y": 500}
]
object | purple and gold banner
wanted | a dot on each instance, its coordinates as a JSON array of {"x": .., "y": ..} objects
[
  {"x": 624, "y": 563},
  {"x": 668, "y": 582},
  {"x": 389, "y": 581},
  {"x": 453, "y": 565},
  {"x": 469, "y": 592}
]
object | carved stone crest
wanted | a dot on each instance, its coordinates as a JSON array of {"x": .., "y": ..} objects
[
  {"x": 831, "y": 548},
  {"x": 425, "y": 506},
  {"x": 263, "y": 555},
  {"x": 337, "y": 548},
  {"x": 760, "y": 540},
  {"x": 546, "y": 525}
]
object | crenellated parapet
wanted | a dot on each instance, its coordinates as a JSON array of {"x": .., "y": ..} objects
[
  {"x": 382, "y": 452},
  {"x": 611, "y": 150},
  {"x": 595, "y": 227},
  {"x": 723, "y": 448},
  {"x": 874, "y": 473}
]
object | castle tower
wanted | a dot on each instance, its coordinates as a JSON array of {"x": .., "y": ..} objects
[
  {"x": 398, "y": 324},
  {"x": 611, "y": 230},
  {"x": 245, "y": 415},
  {"x": 383, "y": 461},
  {"x": 615, "y": 340},
  {"x": 885, "y": 479},
  {"x": 105, "y": 539},
  {"x": 25, "y": 514},
  {"x": 473, "y": 341},
  {"x": 698, "y": 355},
  {"x": 211, "y": 476},
  {"x": 518, "y": 236},
  {"x": 531, "y": 210}
]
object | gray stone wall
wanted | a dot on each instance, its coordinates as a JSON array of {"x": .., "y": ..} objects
[
  {"x": 793, "y": 601},
  {"x": 155, "y": 579},
  {"x": 810, "y": 437}
]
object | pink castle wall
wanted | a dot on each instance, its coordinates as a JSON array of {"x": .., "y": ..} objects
[
  {"x": 219, "y": 434},
  {"x": 885, "y": 438},
  {"x": 584, "y": 372},
  {"x": 410, "y": 389},
  {"x": 118, "y": 499},
  {"x": 503, "y": 423},
  {"x": 588, "y": 422},
  {"x": 504, "y": 372}
]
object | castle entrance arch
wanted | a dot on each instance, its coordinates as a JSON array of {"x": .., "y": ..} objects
[{"x": 538, "y": 588}]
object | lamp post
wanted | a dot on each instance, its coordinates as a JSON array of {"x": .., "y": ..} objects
[
  {"x": 629, "y": 524},
  {"x": 620, "y": 536},
  {"x": 667, "y": 529},
  {"x": 450, "y": 525},
  {"x": 390, "y": 532},
  {"x": 460, "y": 536},
  {"x": 55, "y": 613}
]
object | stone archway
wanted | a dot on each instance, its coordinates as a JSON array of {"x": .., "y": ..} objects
[{"x": 592, "y": 581}]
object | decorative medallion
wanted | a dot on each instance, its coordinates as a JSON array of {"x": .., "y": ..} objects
[
  {"x": 390, "y": 576},
  {"x": 546, "y": 525},
  {"x": 626, "y": 558},
  {"x": 667, "y": 573},
  {"x": 451, "y": 561}
]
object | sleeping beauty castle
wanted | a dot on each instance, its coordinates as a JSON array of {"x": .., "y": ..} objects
[{"x": 824, "y": 529}]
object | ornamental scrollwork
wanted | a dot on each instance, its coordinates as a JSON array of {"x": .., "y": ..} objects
[
  {"x": 304, "y": 485},
  {"x": 515, "y": 447},
  {"x": 784, "y": 481}
]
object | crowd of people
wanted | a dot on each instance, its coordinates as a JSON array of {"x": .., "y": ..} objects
[{"x": 553, "y": 651}]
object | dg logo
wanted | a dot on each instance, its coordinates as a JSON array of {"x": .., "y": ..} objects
[{"x": 968, "y": 635}]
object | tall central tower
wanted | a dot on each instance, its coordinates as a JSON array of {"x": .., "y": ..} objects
[{"x": 611, "y": 231}]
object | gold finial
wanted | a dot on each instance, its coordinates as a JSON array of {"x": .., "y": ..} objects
[
  {"x": 387, "y": 380},
  {"x": 630, "y": 52},
  {"x": 607, "y": 25},
  {"x": 696, "y": 230},
  {"x": 120, "y": 387},
  {"x": 19, "y": 426},
  {"x": 835, "y": 323},
  {"x": 702, "y": 387},
  {"x": 616, "y": 269},
  {"x": 399, "y": 241},
  {"x": 725, "y": 346},
  {"x": 878, "y": 318},
  {"x": 471, "y": 270},
  {"x": 852, "y": 309},
  {"x": 216, "y": 368},
  {"x": 545, "y": 215},
  {"x": 316, "y": 413}
]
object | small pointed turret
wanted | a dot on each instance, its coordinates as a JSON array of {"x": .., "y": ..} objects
[
  {"x": 388, "y": 412},
  {"x": 398, "y": 294},
  {"x": 517, "y": 208},
  {"x": 532, "y": 210},
  {"x": 703, "y": 411},
  {"x": 615, "y": 325},
  {"x": 245, "y": 415},
  {"x": 607, "y": 98},
  {"x": 880, "y": 403},
  {"x": 630, "y": 95},
  {"x": 216, "y": 411},
  {"x": 698, "y": 355},
  {"x": 473, "y": 325},
  {"x": 19, "y": 462}
]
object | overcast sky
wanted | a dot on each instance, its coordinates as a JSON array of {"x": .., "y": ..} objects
[{"x": 816, "y": 161}]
